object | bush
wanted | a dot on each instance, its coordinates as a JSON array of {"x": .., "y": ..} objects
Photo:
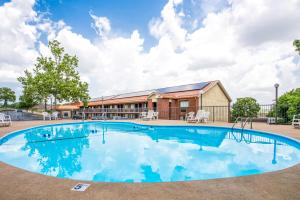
[{"x": 245, "y": 107}]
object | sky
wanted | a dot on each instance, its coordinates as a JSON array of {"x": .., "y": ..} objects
[{"x": 132, "y": 45}]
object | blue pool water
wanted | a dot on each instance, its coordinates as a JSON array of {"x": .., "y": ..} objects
[{"x": 128, "y": 152}]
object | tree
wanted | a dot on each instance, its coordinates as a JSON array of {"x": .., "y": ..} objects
[
  {"x": 33, "y": 91},
  {"x": 55, "y": 77},
  {"x": 6, "y": 95},
  {"x": 297, "y": 45},
  {"x": 245, "y": 107},
  {"x": 26, "y": 101},
  {"x": 288, "y": 105}
]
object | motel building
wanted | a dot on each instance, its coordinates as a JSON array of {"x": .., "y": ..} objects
[{"x": 170, "y": 102}]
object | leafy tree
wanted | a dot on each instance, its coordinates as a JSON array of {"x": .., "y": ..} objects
[
  {"x": 7, "y": 95},
  {"x": 297, "y": 45},
  {"x": 245, "y": 107},
  {"x": 27, "y": 101},
  {"x": 288, "y": 105},
  {"x": 55, "y": 77}
]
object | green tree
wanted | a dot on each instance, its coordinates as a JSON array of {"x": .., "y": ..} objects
[
  {"x": 297, "y": 45},
  {"x": 288, "y": 105},
  {"x": 245, "y": 107},
  {"x": 34, "y": 91},
  {"x": 55, "y": 77},
  {"x": 7, "y": 95}
]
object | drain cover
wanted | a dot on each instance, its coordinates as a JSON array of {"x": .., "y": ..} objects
[{"x": 80, "y": 187}]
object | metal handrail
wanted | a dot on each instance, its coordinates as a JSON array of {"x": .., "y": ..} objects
[
  {"x": 243, "y": 124},
  {"x": 236, "y": 121},
  {"x": 246, "y": 121}
]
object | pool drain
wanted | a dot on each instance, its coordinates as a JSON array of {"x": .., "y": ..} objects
[{"x": 80, "y": 187}]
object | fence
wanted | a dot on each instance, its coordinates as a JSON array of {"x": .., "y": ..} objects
[
  {"x": 217, "y": 113},
  {"x": 283, "y": 113}
]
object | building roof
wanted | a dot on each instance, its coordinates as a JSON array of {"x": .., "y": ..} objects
[
  {"x": 69, "y": 106},
  {"x": 175, "y": 92},
  {"x": 181, "y": 88}
]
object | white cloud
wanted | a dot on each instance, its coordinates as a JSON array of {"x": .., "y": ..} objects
[
  {"x": 101, "y": 25},
  {"x": 169, "y": 24},
  {"x": 246, "y": 46},
  {"x": 17, "y": 38}
]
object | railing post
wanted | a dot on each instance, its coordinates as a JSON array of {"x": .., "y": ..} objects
[
  {"x": 213, "y": 113},
  {"x": 229, "y": 113}
]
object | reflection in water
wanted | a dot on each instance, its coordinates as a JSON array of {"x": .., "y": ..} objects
[
  {"x": 274, "y": 153},
  {"x": 119, "y": 152},
  {"x": 56, "y": 159}
]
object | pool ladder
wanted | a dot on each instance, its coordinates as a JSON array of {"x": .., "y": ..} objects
[{"x": 243, "y": 123}]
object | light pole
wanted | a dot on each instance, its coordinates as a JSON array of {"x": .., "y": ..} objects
[{"x": 276, "y": 101}]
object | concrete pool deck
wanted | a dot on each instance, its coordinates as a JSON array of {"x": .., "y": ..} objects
[{"x": 16, "y": 183}]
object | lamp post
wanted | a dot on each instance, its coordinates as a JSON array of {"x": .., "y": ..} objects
[
  {"x": 276, "y": 101},
  {"x": 201, "y": 98}
]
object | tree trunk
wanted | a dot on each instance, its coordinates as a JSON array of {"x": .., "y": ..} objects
[
  {"x": 55, "y": 102},
  {"x": 5, "y": 103},
  {"x": 45, "y": 105},
  {"x": 51, "y": 104}
]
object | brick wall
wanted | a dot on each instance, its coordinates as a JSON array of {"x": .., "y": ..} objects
[{"x": 163, "y": 108}]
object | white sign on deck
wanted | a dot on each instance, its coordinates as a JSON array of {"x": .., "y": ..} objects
[{"x": 80, "y": 187}]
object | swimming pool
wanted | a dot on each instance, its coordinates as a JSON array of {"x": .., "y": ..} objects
[{"x": 129, "y": 152}]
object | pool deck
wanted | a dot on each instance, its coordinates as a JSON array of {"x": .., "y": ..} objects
[{"x": 16, "y": 183}]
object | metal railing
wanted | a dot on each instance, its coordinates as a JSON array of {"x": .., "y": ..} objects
[
  {"x": 113, "y": 110},
  {"x": 243, "y": 123},
  {"x": 217, "y": 113}
]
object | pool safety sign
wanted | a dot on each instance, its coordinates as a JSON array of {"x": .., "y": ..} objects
[{"x": 80, "y": 187}]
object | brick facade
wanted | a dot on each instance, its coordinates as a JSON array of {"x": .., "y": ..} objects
[{"x": 166, "y": 103}]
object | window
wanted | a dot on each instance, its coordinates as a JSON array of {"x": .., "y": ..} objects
[{"x": 184, "y": 105}]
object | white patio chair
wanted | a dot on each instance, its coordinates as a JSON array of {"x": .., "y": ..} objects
[
  {"x": 143, "y": 115},
  {"x": 205, "y": 116},
  {"x": 54, "y": 115},
  {"x": 45, "y": 115},
  {"x": 5, "y": 120},
  {"x": 296, "y": 121},
  {"x": 190, "y": 116},
  {"x": 198, "y": 117},
  {"x": 155, "y": 115},
  {"x": 150, "y": 115},
  {"x": 271, "y": 120}
]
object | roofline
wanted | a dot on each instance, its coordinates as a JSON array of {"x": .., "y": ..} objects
[
  {"x": 217, "y": 82},
  {"x": 150, "y": 90}
]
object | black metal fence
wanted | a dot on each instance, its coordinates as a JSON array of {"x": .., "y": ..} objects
[{"x": 282, "y": 114}]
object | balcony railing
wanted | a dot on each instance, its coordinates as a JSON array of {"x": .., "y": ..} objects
[{"x": 114, "y": 110}]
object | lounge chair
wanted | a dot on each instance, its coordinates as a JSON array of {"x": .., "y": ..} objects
[
  {"x": 197, "y": 117},
  {"x": 205, "y": 116},
  {"x": 190, "y": 116},
  {"x": 54, "y": 115},
  {"x": 201, "y": 116},
  {"x": 150, "y": 115},
  {"x": 5, "y": 120},
  {"x": 155, "y": 115},
  {"x": 296, "y": 121},
  {"x": 45, "y": 115},
  {"x": 143, "y": 115}
]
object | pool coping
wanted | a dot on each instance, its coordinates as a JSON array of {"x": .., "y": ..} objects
[
  {"x": 156, "y": 125},
  {"x": 153, "y": 125},
  {"x": 282, "y": 184}
]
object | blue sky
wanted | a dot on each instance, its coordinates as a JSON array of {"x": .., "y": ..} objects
[
  {"x": 124, "y": 16},
  {"x": 133, "y": 45}
]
